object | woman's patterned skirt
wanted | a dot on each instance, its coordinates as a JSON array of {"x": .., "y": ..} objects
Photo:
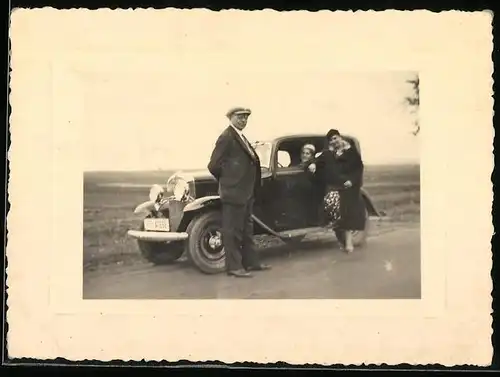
[
  {"x": 345, "y": 209},
  {"x": 331, "y": 203}
]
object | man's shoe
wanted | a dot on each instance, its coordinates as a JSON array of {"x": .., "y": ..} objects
[
  {"x": 260, "y": 267},
  {"x": 240, "y": 273}
]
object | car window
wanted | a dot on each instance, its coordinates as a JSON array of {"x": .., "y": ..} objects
[
  {"x": 283, "y": 159},
  {"x": 263, "y": 150}
]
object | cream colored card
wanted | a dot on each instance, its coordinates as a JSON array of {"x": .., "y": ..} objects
[{"x": 131, "y": 89}]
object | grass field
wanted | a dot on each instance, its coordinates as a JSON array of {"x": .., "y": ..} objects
[{"x": 108, "y": 210}]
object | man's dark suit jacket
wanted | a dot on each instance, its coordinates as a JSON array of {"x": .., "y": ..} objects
[{"x": 234, "y": 167}]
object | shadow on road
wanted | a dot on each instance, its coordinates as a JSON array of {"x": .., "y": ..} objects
[
  {"x": 389, "y": 267},
  {"x": 279, "y": 250},
  {"x": 297, "y": 248}
]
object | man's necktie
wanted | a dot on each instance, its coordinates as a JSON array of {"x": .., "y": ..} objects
[{"x": 247, "y": 144}]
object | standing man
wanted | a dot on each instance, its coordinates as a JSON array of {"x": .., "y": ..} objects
[{"x": 236, "y": 167}]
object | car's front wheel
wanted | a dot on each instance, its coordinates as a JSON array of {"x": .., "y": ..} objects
[
  {"x": 161, "y": 253},
  {"x": 204, "y": 247}
]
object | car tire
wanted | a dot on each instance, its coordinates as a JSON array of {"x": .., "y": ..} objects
[
  {"x": 160, "y": 253},
  {"x": 359, "y": 237},
  {"x": 204, "y": 247}
]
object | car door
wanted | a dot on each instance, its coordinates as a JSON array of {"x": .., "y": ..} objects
[
  {"x": 291, "y": 199},
  {"x": 288, "y": 196},
  {"x": 263, "y": 202}
]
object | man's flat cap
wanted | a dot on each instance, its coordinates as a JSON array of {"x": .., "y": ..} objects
[{"x": 238, "y": 110}]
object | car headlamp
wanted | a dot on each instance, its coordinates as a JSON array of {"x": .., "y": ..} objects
[
  {"x": 156, "y": 193},
  {"x": 179, "y": 186},
  {"x": 181, "y": 190}
]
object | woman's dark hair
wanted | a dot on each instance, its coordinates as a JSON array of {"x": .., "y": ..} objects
[{"x": 332, "y": 133}]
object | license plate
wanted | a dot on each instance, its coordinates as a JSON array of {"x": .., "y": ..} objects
[{"x": 157, "y": 225}]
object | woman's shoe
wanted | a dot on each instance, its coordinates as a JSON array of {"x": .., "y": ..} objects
[
  {"x": 241, "y": 273},
  {"x": 349, "y": 247}
]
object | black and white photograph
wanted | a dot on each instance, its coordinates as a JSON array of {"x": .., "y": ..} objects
[
  {"x": 274, "y": 184},
  {"x": 313, "y": 187}
]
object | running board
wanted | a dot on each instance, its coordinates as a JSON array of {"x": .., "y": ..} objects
[
  {"x": 380, "y": 218},
  {"x": 298, "y": 234}
]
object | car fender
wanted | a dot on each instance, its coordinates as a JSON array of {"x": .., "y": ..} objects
[
  {"x": 213, "y": 202},
  {"x": 149, "y": 206},
  {"x": 194, "y": 207},
  {"x": 201, "y": 203},
  {"x": 145, "y": 207},
  {"x": 372, "y": 211}
]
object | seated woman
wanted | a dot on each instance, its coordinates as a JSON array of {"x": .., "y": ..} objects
[
  {"x": 311, "y": 188},
  {"x": 340, "y": 168},
  {"x": 307, "y": 155}
]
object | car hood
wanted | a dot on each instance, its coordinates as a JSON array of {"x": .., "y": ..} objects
[
  {"x": 203, "y": 175},
  {"x": 199, "y": 175}
]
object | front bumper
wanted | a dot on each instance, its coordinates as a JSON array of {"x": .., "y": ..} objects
[{"x": 158, "y": 236}]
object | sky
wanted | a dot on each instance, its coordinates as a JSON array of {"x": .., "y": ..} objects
[{"x": 169, "y": 118}]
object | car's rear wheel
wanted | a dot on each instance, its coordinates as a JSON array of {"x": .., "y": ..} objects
[
  {"x": 204, "y": 247},
  {"x": 359, "y": 237},
  {"x": 161, "y": 253}
]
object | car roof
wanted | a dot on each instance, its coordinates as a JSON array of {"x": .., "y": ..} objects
[{"x": 304, "y": 136}]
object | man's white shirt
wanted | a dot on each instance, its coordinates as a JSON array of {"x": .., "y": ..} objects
[
  {"x": 243, "y": 138},
  {"x": 239, "y": 132}
]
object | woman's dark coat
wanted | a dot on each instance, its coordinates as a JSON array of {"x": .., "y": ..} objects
[{"x": 332, "y": 172}]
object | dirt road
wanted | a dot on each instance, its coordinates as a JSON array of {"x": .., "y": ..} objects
[{"x": 388, "y": 267}]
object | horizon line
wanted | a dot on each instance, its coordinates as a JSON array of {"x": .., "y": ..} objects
[{"x": 186, "y": 169}]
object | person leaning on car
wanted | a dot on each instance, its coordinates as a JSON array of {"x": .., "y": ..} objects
[{"x": 236, "y": 166}]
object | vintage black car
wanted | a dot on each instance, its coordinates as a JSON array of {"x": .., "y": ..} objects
[{"x": 188, "y": 219}]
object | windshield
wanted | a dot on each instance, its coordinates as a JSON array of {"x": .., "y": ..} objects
[{"x": 264, "y": 152}]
